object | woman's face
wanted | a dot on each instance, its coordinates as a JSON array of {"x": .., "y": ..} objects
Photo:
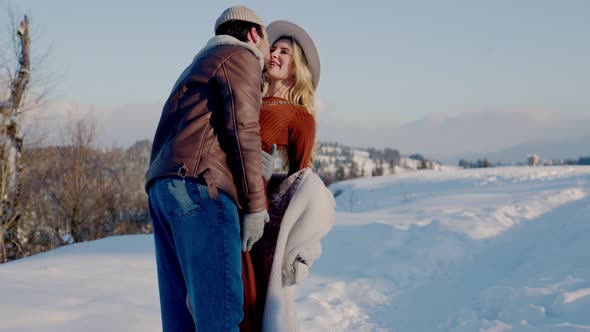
[{"x": 280, "y": 66}]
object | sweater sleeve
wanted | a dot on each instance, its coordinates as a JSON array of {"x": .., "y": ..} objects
[{"x": 301, "y": 141}]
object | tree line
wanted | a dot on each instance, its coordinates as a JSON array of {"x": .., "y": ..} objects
[{"x": 78, "y": 192}]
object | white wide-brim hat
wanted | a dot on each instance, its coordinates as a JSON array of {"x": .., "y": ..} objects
[{"x": 279, "y": 29}]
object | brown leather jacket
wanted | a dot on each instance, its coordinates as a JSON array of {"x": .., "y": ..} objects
[{"x": 210, "y": 123}]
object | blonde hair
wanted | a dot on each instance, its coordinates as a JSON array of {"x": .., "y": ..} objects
[{"x": 302, "y": 92}]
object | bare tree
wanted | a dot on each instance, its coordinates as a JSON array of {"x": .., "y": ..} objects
[
  {"x": 40, "y": 229},
  {"x": 11, "y": 144},
  {"x": 77, "y": 180}
]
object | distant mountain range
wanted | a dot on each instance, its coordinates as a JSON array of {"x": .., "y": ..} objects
[
  {"x": 550, "y": 150},
  {"x": 499, "y": 135}
]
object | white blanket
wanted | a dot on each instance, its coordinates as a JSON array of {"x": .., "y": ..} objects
[{"x": 308, "y": 218}]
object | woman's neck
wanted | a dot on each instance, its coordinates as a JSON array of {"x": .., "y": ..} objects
[{"x": 279, "y": 89}]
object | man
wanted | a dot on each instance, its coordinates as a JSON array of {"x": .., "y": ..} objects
[{"x": 205, "y": 165}]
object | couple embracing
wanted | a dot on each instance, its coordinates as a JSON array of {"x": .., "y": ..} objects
[{"x": 232, "y": 238}]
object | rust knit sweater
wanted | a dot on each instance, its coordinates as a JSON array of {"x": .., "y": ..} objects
[{"x": 290, "y": 127}]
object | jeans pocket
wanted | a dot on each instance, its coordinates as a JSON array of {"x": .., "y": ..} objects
[{"x": 180, "y": 198}]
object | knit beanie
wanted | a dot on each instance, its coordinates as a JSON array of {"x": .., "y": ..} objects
[{"x": 238, "y": 13}]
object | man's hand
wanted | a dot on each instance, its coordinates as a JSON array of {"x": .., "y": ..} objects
[
  {"x": 252, "y": 228},
  {"x": 268, "y": 163}
]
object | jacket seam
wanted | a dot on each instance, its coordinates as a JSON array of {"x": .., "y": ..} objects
[
  {"x": 200, "y": 149},
  {"x": 223, "y": 60},
  {"x": 234, "y": 122}
]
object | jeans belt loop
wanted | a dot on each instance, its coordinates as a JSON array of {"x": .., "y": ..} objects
[{"x": 182, "y": 171}]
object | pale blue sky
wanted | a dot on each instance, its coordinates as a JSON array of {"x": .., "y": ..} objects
[{"x": 384, "y": 63}]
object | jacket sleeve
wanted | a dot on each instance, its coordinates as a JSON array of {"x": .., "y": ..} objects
[{"x": 240, "y": 79}]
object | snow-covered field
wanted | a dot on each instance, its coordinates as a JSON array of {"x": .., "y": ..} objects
[{"x": 484, "y": 250}]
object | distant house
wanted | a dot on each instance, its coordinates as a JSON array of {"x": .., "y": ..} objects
[{"x": 533, "y": 160}]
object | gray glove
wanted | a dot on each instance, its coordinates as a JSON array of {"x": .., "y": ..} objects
[
  {"x": 252, "y": 228},
  {"x": 268, "y": 163}
]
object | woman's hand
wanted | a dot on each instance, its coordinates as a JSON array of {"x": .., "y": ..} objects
[
  {"x": 301, "y": 270},
  {"x": 268, "y": 163}
]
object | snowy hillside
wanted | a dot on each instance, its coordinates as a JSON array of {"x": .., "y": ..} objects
[
  {"x": 490, "y": 250},
  {"x": 335, "y": 161}
]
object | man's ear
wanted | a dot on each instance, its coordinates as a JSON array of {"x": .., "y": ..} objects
[{"x": 253, "y": 35}]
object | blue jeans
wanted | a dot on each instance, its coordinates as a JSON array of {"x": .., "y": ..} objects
[{"x": 198, "y": 245}]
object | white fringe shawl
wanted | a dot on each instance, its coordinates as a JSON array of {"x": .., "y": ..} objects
[{"x": 308, "y": 218}]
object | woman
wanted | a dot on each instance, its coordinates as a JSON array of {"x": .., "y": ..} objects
[
  {"x": 287, "y": 116},
  {"x": 290, "y": 242}
]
